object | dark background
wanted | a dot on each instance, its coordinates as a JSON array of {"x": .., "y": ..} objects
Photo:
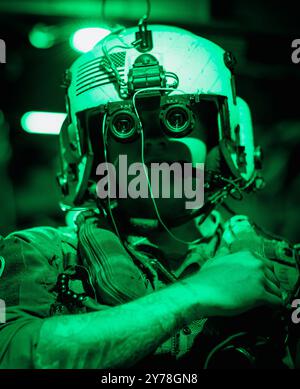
[{"x": 259, "y": 33}]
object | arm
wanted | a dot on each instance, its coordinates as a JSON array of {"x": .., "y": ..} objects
[
  {"x": 125, "y": 334},
  {"x": 116, "y": 337}
]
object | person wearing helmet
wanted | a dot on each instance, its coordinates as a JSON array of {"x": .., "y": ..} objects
[{"x": 133, "y": 279}]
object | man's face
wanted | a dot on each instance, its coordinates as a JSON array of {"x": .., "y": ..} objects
[{"x": 159, "y": 146}]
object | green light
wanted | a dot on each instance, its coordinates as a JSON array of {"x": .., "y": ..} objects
[
  {"x": 42, "y": 122},
  {"x": 84, "y": 40},
  {"x": 42, "y": 36}
]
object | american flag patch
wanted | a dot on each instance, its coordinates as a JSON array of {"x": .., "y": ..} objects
[{"x": 97, "y": 73}]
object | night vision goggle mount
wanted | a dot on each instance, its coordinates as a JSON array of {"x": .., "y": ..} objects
[{"x": 146, "y": 72}]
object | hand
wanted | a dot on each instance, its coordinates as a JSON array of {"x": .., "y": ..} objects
[{"x": 232, "y": 284}]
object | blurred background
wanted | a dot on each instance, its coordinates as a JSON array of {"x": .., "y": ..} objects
[{"x": 42, "y": 39}]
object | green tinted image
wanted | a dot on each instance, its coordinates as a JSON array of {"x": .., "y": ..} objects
[{"x": 149, "y": 187}]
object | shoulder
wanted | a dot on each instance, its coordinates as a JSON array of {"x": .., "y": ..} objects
[
  {"x": 33, "y": 257},
  {"x": 42, "y": 241}
]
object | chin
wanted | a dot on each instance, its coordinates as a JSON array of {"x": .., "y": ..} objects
[{"x": 169, "y": 209}]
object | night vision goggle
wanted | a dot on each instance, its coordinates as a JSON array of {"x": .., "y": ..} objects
[{"x": 176, "y": 115}]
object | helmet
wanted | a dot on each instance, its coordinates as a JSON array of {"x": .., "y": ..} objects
[{"x": 104, "y": 81}]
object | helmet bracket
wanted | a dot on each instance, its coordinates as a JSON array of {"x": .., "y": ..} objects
[{"x": 146, "y": 72}]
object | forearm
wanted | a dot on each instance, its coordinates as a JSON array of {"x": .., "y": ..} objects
[{"x": 119, "y": 336}]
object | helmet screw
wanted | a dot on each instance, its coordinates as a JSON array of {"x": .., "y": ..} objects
[
  {"x": 186, "y": 331},
  {"x": 258, "y": 157},
  {"x": 230, "y": 60}
]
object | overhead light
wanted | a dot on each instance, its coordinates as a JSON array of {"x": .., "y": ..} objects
[
  {"x": 42, "y": 36},
  {"x": 85, "y": 39},
  {"x": 39, "y": 122}
]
